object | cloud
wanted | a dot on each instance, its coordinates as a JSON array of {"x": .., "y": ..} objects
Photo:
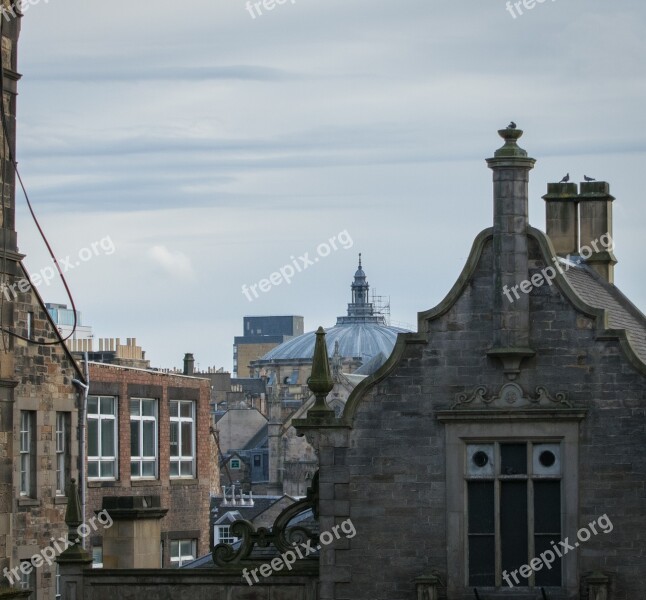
[{"x": 175, "y": 263}]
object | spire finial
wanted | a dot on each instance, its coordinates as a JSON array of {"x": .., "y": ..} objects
[{"x": 359, "y": 259}]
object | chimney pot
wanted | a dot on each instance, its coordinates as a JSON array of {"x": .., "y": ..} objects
[{"x": 189, "y": 364}]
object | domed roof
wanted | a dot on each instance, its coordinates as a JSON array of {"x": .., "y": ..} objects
[
  {"x": 364, "y": 340},
  {"x": 361, "y": 333}
]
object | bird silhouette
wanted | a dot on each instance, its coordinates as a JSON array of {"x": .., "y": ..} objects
[
  {"x": 565, "y": 179},
  {"x": 511, "y": 125},
  {"x": 586, "y": 178}
]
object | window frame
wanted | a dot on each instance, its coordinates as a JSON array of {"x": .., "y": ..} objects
[
  {"x": 463, "y": 430},
  {"x": 100, "y": 459},
  {"x": 140, "y": 458},
  {"x": 181, "y": 559},
  {"x": 27, "y": 448},
  {"x": 496, "y": 477},
  {"x": 227, "y": 538},
  {"x": 62, "y": 445},
  {"x": 179, "y": 420}
]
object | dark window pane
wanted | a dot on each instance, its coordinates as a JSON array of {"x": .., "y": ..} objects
[
  {"x": 187, "y": 439},
  {"x": 134, "y": 438},
  {"x": 481, "y": 507},
  {"x": 482, "y": 560},
  {"x": 93, "y": 437},
  {"x": 92, "y": 404},
  {"x": 547, "y": 576},
  {"x": 513, "y": 459},
  {"x": 107, "y": 469},
  {"x": 513, "y": 526},
  {"x": 174, "y": 439},
  {"x": 547, "y": 507},
  {"x": 174, "y": 410},
  {"x": 148, "y": 438},
  {"x": 107, "y": 406},
  {"x": 107, "y": 437}
]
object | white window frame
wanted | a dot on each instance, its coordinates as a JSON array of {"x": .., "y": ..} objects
[
  {"x": 26, "y": 449},
  {"x": 62, "y": 424},
  {"x": 140, "y": 459},
  {"x": 95, "y": 563},
  {"x": 58, "y": 595},
  {"x": 100, "y": 459},
  {"x": 28, "y": 581},
  {"x": 224, "y": 536},
  {"x": 180, "y": 558},
  {"x": 235, "y": 467},
  {"x": 178, "y": 421}
]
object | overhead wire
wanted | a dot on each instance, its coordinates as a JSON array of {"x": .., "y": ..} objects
[{"x": 7, "y": 144}]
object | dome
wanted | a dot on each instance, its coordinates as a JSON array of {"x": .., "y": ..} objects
[
  {"x": 364, "y": 340},
  {"x": 362, "y": 334}
]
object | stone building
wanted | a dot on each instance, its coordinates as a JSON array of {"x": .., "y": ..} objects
[
  {"x": 38, "y": 397},
  {"x": 149, "y": 437},
  {"x": 509, "y": 427}
]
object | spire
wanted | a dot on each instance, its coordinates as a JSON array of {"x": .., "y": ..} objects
[{"x": 360, "y": 309}]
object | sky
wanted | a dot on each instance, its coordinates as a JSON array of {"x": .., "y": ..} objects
[{"x": 178, "y": 151}]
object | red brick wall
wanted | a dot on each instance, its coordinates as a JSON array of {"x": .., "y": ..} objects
[{"x": 187, "y": 499}]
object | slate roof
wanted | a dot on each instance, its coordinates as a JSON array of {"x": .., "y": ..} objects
[
  {"x": 622, "y": 313},
  {"x": 260, "y": 504},
  {"x": 250, "y": 385}
]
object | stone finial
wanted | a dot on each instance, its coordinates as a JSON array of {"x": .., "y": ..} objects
[
  {"x": 511, "y": 149},
  {"x": 320, "y": 382},
  {"x": 73, "y": 518}
]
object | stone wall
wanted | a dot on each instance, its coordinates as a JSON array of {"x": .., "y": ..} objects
[{"x": 389, "y": 472}]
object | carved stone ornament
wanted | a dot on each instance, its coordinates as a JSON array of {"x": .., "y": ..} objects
[
  {"x": 282, "y": 535},
  {"x": 511, "y": 396}
]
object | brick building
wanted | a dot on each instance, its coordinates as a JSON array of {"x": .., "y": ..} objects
[{"x": 149, "y": 436}]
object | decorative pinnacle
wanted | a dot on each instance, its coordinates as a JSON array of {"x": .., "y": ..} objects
[
  {"x": 359, "y": 259},
  {"x": 320, "y": 382},
  {"x": 511, "y": 149}
]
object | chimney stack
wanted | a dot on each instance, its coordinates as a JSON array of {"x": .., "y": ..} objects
[
  {"x": 189, "y": 364},
  {"x": 511, "y": 167},
  {"x": 562, "y": 217},
  {"x": 595, "y": 208}
]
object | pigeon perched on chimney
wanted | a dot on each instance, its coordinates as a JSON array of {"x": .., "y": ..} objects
[
  {"x": 511, "y": 125},
  {"x": 565, "y": 179},
  {"x": 586, "y": 178}
]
